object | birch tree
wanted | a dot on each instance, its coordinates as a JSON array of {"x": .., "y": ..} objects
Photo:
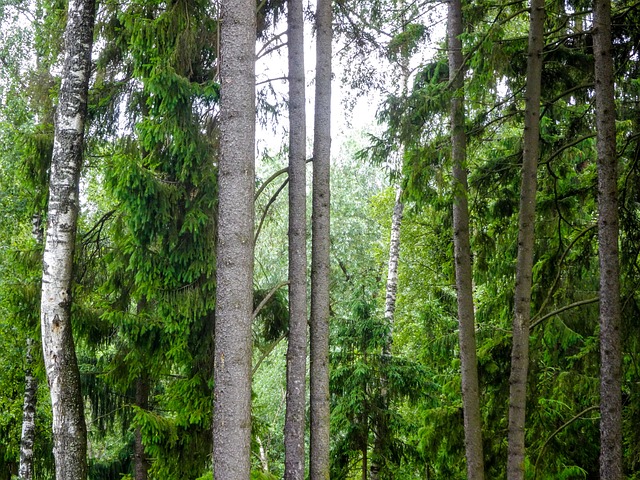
[
  {"x": 524, "y": 265},
  {"x": 610, "y": 316},
  {"x": 69, "y": 429},
  {"x": 297, "y": 348},
  {"x": 234, "y": 289},
  {"x": 319, "y": 332}
]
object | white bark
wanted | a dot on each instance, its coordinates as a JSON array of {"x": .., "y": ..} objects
[
  {"x": 27, "y": 439},
  {"x": 69, "y": 430}
]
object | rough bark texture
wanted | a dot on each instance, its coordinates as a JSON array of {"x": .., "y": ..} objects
[
  {"x": 140, "y": 460},
  {"x": 610, "y": 342},
  {"x": 69, "y": 429},
  {"x": 234, "y": 293},
  {"x": 27, "y": 440},
  {"x": 526, "y": 224},
  {"x": 462, "y": 252},
  {"x": 294, "y": 428},
  {"x": 319, "y": 356}
]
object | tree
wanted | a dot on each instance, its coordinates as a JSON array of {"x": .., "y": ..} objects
[
  {"x": 234, "y": 287},
  {"x": 297, "y": 348},
  {"x": 69, "y": 430},
  {"x": 526, "y": 228},
  {"x": 320, "y": 267},
  {"x": 610, "y": 316},
  {"x": 462, "y": 251}
]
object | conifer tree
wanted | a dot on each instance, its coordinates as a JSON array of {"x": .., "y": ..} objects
[
  {"x": 234, "y": 288},
  {"x": 320, "y": 227},
  {"x": 297, "y": 348},
  {"x": 526, "y": 224},
  {"x": 462, "y": 251},
  {"x": 610, "y": 308}
]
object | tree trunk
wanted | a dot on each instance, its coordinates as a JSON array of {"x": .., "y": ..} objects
[
  {"x": 610, "y": 342},
  {"x": 234, "y": 292},
  {"x": 319, "y": 357},
  {"x": 526, "y": 224},
  {"x": 69, "y": 429},
  {"x": 294, "y": 428},
  {"x": 140, "y": 461},
  {"x": 462, "y": 252},
  {"x": 382, "y": 432},
  {"x": 27, "y": 440}
]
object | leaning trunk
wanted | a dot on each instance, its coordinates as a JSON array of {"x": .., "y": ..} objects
[
  {"x": 319, "y": 334},
  {"x": 69, "y": 429},
  {"x": 294, "y": 427},
  {"x": 234, "y": 291},
  {"x": 462, "y": 253},
  {"x": 526, "y": 224},
  {"x": 610, "y": 343}
]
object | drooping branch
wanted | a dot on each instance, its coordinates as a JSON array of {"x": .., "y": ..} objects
[
  {"x": 563, "y": 309},
  {"x": 558, "y": 430}
]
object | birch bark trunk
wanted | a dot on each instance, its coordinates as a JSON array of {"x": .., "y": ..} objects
[
  {"x": 294, "y": 428},
  {"x": 69, "y": 429},
  {"x": 610, "y": 314},
  {"x": 462, "y": 252},
  {"x": 382, "y": 433},
  {"x": 27, "y": 439},
  {"x": 319, "y": 332},
  {"x": 234, "y": 292},
  {"x": 526, "y": 224}
]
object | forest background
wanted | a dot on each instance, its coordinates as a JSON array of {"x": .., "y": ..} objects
[{"x": 144, "y": 287}]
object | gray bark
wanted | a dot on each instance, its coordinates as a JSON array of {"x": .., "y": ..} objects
[
  {"x": 526, "y": 224},
  {"x": 319, "y": 333},
  {"x": 27, "y": 439},
  {"x": 234, "y": 292},
  {"x": 294, "y": 428},
  {"x": 69, "y": 429},
  {"x": 462, "y": 252},
  {"x": 610, "y": 342},
  {"x": 140, "y": 460}
]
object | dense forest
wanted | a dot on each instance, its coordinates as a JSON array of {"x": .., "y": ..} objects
[{"x": 197, "y": 283}]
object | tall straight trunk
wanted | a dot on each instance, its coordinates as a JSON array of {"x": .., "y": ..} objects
[
  {"x": 69, "y": 429},
  {"x": 294, "y": 427},
  {"x": 140, "y": 460},
  {"x": 319, "y": 334},
  {"x": 382, "y": 432},
  {"x": 462, "y": 252},
  {"x": 392, "y": 272},
  {"x": 234, "y": 291},
  {"x": 28, "y": 436},
  {"x": 524, "y": 267},
  {"x": 27, "y": 439},
  {"x": 610, "y": 342}
]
